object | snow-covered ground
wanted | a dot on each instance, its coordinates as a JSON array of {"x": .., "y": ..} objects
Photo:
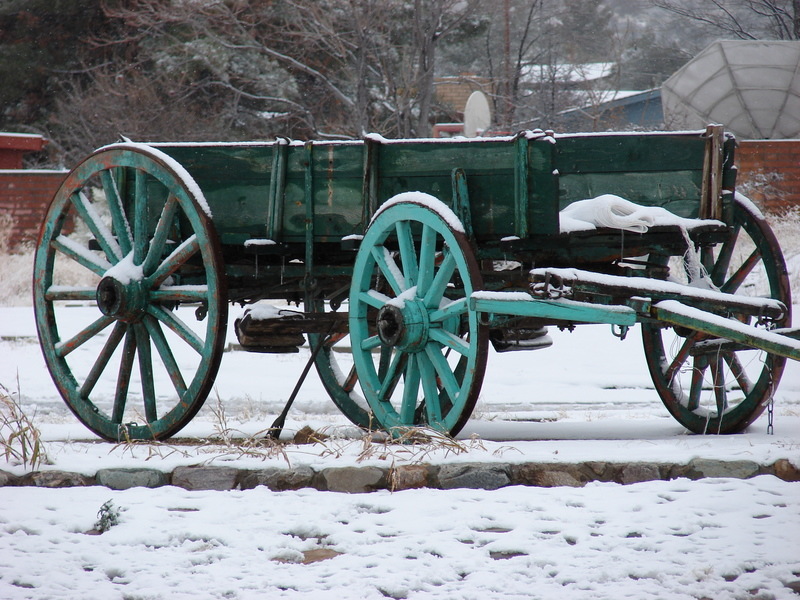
[{"x": 589, "y": 397}]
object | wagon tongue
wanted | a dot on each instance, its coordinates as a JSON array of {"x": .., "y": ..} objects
[{"x": 703, "y": 310}]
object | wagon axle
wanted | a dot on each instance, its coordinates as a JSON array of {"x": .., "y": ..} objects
[{"x": 126, "y": 302}]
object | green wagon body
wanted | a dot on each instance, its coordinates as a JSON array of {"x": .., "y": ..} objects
[
  {"x": 260, "y": 190},
  {"x": 287, "y": 220}
]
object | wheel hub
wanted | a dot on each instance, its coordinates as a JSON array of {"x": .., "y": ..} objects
[
  {"x": 126, "y": 302},
  {"x": 404, "y": 327}
]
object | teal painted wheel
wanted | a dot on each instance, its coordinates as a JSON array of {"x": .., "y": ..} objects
[
  {"x": 419, "y": 352},
  {"x": 706, "y": 389},
  {"x": 337, "y": 371},
  {"x": 129, "y": 294}
]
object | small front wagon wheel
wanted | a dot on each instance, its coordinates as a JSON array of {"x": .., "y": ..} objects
[
  {"x": 707, "y": 385},
  {"x": 419, "y": 351},
  {"x": 129, "y": 294}
]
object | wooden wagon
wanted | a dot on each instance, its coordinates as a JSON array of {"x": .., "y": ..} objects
[{"x": 415, "y": 256}]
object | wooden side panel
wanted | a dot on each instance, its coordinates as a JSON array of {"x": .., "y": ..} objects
[
  {"x": 235, "y": 181},
  {"x": 652, "y": 170}
]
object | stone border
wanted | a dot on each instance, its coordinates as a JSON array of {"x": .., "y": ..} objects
[{"x": 487, "y": 476}]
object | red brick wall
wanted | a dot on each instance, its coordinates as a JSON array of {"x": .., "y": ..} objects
[
  {"x": 25, "y": 195},
  {"x": 769, "y": 173}
]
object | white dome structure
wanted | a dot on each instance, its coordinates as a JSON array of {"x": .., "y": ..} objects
[{"x": 750, "y": 87}]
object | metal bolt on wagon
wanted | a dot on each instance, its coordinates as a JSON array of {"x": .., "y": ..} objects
[{"x": 415, "y": 255}]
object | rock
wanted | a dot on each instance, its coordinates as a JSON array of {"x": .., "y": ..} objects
[
  {"x": 794, "y": 586},
  {"x": 277, "y": 479},
  {"x": 7, "y": 478},
  {"x": 708, "y": 467},
  {"x": 547, "y": 475},
  {"x": 123, "y": 479},
  {"x": 473, "y": 476},
  {"x": 353, "y": 480},
  {"x": 55, "y": 479},
  {"x": 205, "y": 478},
  {"x": 407, "y": 477},
  {"x": 638, "y": 472},
  {"x": 784, "y": 469},
  {"x": 308, "y": 436}
]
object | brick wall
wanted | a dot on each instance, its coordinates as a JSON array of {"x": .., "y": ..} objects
[
  {"x": 769, "y": 173},
  {"x": 25, "y": 195}
]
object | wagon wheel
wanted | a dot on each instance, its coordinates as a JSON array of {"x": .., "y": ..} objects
[
  {"x": 337, "y": 371},
  {"x": 128, "y": 239},
  {"x": 706, "y": 389},
  {"x": 419, "y": 351}
]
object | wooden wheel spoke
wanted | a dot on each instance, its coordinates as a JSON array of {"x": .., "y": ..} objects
[
  {"x": 56, "y": 293},
  {"x": 427, "y": 254},
  {"x": 411, "y": 383},
  {"x": 696, "y": 386},
  {"x": 179, "y": 327},
  {"x": 450, "y": 340},
  {"x": 81, "y": 255},
  {"x": 83, "y": 336},
  {"x": 144, "y": 351},
  {"x": 185, "y": 250},
  {"x": 681, "y": 356},
  {"x": 99, "y": 230},
  {"x": 102, "y": 358},
  {"x": 140, "y": 217},
  {"x": 443, "y": 369},
  {"x": 453, "y": 309},
  {"x": 384, "y": 361},
  {"x": 737, "y": 279},
  {"x": 391, "y": 377},
  {"x": 165, "y": 222},
  {"x": 431, "y": 391},
  {"x": 373, "y": 298},
  {"x": 333, "y": 339},
  {"x": 389, "y": 269},
  {"x": 718, "y": 380},
  {"x": 408, "y": 253},
  {"x": 118, "y": 219},
  {"x": 738, "y": 372},
  {"x": 370, "y": 343},
  {"x": 435, "y": 293},
  {"x": 124, "y": 376},
  {"x": 349, "y": 383},
  {"x": 165, "y": 352},
  {"x": 719, "y": 269}
]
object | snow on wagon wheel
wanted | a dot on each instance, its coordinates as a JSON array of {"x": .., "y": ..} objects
[
  {"x": 129, "y": 293},
  {"x": 708, "y": 385},
  {"x": 419, "y": 351}
]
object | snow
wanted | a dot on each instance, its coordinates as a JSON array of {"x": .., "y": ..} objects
[
  {"x": 125, "y": 271},
  {"x": 429, "y": 202},
  {"x": 588, "y": 398},
  {"x": 259, "y": 242},
  {"x": 612, "y": 211}
]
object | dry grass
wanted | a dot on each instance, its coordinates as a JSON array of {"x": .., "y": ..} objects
[{"x": 20, "y": 440}]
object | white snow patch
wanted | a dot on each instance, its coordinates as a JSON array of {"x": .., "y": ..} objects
[
  {"x": 125, "y": 271},
  {"x": 429, "y": 202},
  {"x": 614, "y": 212}
]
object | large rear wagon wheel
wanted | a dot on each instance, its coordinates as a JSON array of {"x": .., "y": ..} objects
[
  {"x": 129, "y": 294},
  {"x": 710, "y": 388},
  {"x": 419, "y": 351}
]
